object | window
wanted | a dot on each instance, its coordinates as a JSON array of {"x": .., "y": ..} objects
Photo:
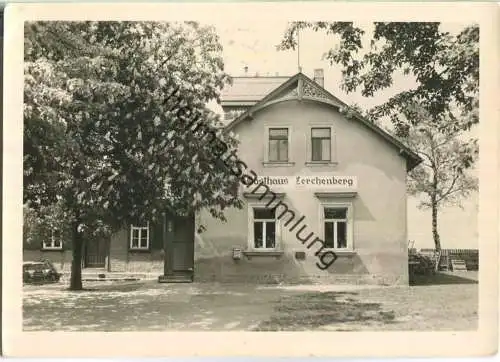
[
  {"x": 335, "y": 227},
  {"x": 278, "y": 144},
  {"x": 321, "y": 140},
  {"x": 264, "y": 228},
  {"x": 55, "y": 241},
  {"x": 139, "y": 237}
]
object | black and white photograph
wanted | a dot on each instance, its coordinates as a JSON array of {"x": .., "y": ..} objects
[{"x": 262, "y": 173}]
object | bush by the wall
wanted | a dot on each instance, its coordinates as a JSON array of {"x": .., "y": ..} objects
[{"x": 420, "y": 264}]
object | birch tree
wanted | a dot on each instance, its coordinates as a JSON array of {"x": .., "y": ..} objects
[{"x": 444, "y": 176}]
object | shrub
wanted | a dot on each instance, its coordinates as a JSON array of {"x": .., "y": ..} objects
[{"x": 420, "y": 264}]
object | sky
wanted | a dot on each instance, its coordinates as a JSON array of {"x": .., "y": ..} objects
[{"x": 253, "y": 44}]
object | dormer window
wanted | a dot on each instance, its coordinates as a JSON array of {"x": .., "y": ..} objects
[
  {"x": 321, "y": 141},
  {"x": 278, "y": 144},
  {"x": 321, "y": 146}
]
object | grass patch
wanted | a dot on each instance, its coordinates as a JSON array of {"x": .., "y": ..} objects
[
  {"x": 313, "y": 310},
  {"x": 442, "y": 278}
]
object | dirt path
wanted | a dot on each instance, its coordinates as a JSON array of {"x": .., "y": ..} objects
[
  {"x": 150, "y": 306},
  {"x": 147, "y": 306}
]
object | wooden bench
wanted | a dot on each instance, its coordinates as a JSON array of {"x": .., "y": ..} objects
[{"x": 458, "y": 265}]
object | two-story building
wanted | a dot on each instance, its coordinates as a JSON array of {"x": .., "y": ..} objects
[
  {"x": 344, "y": 179},
  {"x": 337, "y": 211}
]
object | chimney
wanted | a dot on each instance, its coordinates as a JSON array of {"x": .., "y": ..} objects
[{"x": 319, "y": 77}]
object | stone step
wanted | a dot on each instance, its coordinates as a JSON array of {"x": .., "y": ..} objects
[
  {"x": 113, "y": 276},
  {"x": 176, "y": 278}
]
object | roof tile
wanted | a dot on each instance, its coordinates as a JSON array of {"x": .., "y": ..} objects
[{"x": 250, "y": 89}]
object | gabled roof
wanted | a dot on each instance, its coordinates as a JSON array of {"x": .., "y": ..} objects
[
  {"x": 301, "y": 87},
  {"x": 247, "y": 91}
]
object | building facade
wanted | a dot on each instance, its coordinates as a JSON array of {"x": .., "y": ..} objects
[
  {"x": 327, "y": 204},
  {"x": 162, "y": 247},
  {"x": 343, "y": 178}
]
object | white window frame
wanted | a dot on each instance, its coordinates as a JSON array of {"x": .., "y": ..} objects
[
  {"x": 51, "y": 246},
  {"x": 140, "y": 230},
  {"x": 251, "y": 220},
  {"x": 349, "y": 226},
  {"x": 333, "y": 144},
  {"x": 266, "y": 138}
]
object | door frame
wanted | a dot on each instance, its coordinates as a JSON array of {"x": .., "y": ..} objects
[
  {"x": 104, "y": 248},
  {"x": 169, "y": 227}
]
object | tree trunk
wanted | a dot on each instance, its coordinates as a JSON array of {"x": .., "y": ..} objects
[
  {"x": 435, "y": 233},
  {"x": 76, "y": 264}
]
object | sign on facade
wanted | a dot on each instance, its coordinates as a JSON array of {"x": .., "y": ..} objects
[{"x": 310, "y": 182}]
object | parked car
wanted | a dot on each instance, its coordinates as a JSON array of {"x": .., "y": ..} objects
[{"x": 40, "y": 272}]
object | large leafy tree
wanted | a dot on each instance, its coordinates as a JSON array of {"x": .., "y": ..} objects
[
  {"x": 443, "y": 178},
  {"x": 444, "y": 65},
  {"x": 38, "y": 226},
  {"x": 105, "y": 111}
]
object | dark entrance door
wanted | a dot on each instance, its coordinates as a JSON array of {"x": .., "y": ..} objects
[
  {"x": 96, "y": 251},
  {"x": 179, "y": 246}
]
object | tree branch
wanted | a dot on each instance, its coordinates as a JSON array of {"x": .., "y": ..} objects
[
  {"x": 429, "y": 158},
  {"x": 447, "y": 139},
  {"x": 463, "y": 188},
  {"x": 448, "y": 192}
]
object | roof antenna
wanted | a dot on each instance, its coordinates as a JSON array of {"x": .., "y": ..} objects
[{"x": 298, "y": 50}]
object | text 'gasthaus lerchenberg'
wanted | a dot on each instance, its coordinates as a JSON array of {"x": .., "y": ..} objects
[{"x": 309, "y": 180}]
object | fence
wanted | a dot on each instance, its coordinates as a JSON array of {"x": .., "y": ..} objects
[{"x": 470, "y": 256}]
